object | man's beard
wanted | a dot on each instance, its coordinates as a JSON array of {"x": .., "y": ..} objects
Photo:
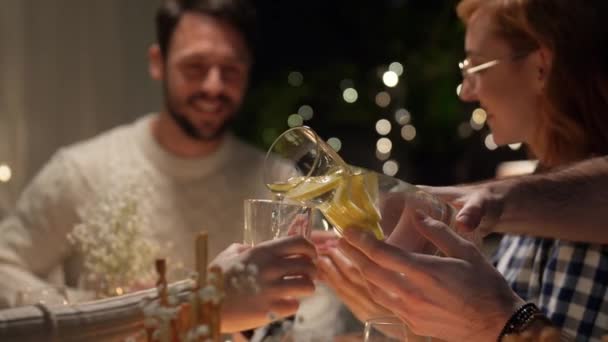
[{"x": 188, "y": 127}]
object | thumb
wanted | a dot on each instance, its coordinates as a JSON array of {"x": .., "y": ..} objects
[{"x": 470, "y": 215}]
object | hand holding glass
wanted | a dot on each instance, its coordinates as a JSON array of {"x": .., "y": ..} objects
[{"x": 268, "y": 220}]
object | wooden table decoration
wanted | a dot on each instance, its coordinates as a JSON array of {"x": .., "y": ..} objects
[{"x": 198, "y": 318}]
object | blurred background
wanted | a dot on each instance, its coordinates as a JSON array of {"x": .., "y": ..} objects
[{"x": 377, "y": 78}]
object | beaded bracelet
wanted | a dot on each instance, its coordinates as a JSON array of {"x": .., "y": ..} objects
[{"x": 521, "y": 320}]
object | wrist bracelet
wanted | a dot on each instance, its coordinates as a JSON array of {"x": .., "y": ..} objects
[{"x": 521, "y": 320}]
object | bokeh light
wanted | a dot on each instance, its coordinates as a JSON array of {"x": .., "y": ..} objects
[
  {"x": 479, "y": 116},
  {"x": 306, "y": 112},
  {"x": 383, "y": 99},
  {"x": 5, "y": 173},
  {"x": 390, "y": 79},
  {"x": 335, "y": 143},
  {"x": 396, "y": 67},
  {"x": 408, "y": 132},
  {"x": 383, "y": 127},
  {"x": 489, "y": 142},
  {"x": 295, "y": 120},
  {"x": 515, "y": 146},
  {"x": 402, "y": 116},
  {"x": 390, "y": 168},
  {"x": 350, "y": 95},
  {"x": 384, "y": 145},
  {"x": 295, "y": 78}
]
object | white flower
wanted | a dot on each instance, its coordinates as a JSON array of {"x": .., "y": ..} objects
[
  {"x": 234, "y": 281},
  {"x": 239, "y": 267},
  {"x": 252, "y": 269},
  {"x": 209, "y": 294},
  {"x": 112, "y": 240},
  {"x": 202, "y": 330}
]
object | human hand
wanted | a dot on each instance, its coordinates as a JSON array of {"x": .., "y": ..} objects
[
  {"x": 479, "y": 206},
  {"x": 459, "y": 297},
  {"x": 343, "y": 276},
  {"x": 264, "y": 283},
  {"x": 402, "y": 211}
]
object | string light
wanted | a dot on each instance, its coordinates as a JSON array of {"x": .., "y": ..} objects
[
  {"x": 306, "y": 112},
  {"x": 295, "y": 120},
  {"x": 489, "y": 142},
  {"x": 335, "y": 143},
  {"x": 383, "y": 99},
  {"x": 390, "y": 79},
  {"x": 402, "y": 116},
  {"x": 459, "y": 89},
  {"x": 515, "y": 146},
  {"x": 383, "y": 127},
  {"x": 408, "y": 132},
  {"x": 295, "y": 78},
  {"x": 479, "y": 116},
  {"x": 384, "y": 145},
  {"x": 396, "y": 67},
  {"x": 350, "y": 95},
  {"x": 5, "y": 173},
  {"x": 390, "y": 168}
]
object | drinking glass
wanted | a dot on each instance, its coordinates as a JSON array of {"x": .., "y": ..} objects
[
  {"x": 385, "y": 329},
  {"x": 272, "y": 219}
]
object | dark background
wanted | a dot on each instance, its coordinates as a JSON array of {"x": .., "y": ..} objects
[{"x": 329, "y": 41}]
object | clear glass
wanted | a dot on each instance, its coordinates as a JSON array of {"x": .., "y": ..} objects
[
  {"x": 268, "y": 220},
  {"x": 385, "y": 329},
  {"x": 49, "y": 296},
  {"x": 301, "y": 167}
]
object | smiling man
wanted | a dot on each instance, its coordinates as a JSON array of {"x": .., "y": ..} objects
[
  {"x": 189, "y": 172},
  {"x": 203, "y": 61}
]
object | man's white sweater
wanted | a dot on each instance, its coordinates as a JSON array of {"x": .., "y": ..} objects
[{"x": 183, "y": 197}]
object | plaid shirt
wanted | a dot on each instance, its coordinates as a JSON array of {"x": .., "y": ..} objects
[{"x": 567, "y": 280}]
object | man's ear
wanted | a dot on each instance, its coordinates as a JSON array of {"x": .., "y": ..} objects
[{"x": 156, "y": 63}]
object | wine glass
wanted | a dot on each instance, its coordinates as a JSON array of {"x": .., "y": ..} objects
[
  {"x": 268, "y": 220},
  {"x": 385, "y": 329}
]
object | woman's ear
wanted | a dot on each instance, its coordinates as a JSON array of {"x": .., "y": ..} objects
[{"x": 543, "y": 61}]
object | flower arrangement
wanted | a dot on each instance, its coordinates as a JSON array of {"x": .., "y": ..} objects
[{"x": 110, "y": 236}]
